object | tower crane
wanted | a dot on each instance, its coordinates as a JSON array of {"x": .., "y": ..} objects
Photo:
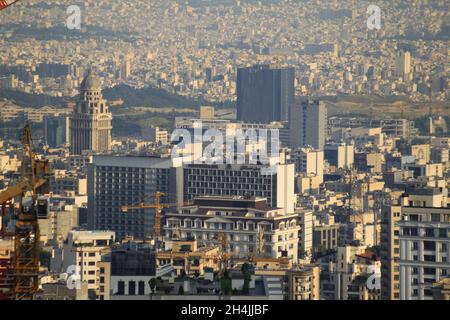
[
  {"x": 157, "y": 205},
  {"x": 34, "y": 180}
]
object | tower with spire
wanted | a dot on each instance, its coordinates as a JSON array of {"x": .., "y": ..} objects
[{"x": 90, "y": 121}]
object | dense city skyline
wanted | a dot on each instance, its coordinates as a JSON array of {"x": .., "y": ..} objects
[{"x": 225, "y": 150}]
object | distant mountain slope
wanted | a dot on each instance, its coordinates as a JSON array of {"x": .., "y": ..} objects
[
  {"x": 132, "y": 97},
  {"x": 149, "y": 97},
  {"x": 31, "y": 100}
]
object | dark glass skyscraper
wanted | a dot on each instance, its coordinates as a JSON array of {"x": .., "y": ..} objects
[
  {"x": 264, "y": 93},
  {"x": 56, "y": 130}
]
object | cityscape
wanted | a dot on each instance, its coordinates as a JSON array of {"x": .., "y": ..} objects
[{"x": 225, "y": 150}]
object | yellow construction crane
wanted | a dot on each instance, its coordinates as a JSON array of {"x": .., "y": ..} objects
[
  {"x": 158, "y": 206},
  {"x": 34, "y": 180}
]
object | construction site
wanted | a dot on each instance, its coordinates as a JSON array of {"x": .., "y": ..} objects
[{"x": 19, "y": 237}]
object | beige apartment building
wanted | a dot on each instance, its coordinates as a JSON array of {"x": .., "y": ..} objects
[
  {"x": 83, "y": 249},
  {"x": 349, "y": 273},
  {"x": 304, "y": 283}
]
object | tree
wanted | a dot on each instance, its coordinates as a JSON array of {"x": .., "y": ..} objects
[
  {"x": 181, "y": 290},
  {"x": 225, "y": 283},
  {"x": 247, "y": 277},
  {"x": 152, "y": 282}
]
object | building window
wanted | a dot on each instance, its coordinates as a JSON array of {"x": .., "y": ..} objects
[
  {"x": 121, "y": 288},
  {"x": 141, "y": 288},
  {"x": 132, "y": 288},
  {"x": 429, "y": 245},
  {"x": 429, "y": 271}
]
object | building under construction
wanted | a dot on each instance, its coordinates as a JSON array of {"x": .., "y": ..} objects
[{"x": 20, "y": 248}]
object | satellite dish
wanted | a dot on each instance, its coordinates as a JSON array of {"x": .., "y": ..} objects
[{"x": 6, "y": 3}]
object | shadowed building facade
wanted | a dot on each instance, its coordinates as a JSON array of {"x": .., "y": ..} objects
[{"x": 264, "y": 94}]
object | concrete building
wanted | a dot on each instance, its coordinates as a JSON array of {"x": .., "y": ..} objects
[
  {"x": 242, "y": 180},
  {"x": 308, "y": 124},
  {"x": 251, "y": 226},
  {"x": 185, "y": 255},
  {"x": 305, "y": 236},
  {"x": 61, "y": 220},
  {"x": 115, "y": 181},
  {"x": 159, "y": 136},
  {"x": 304, "y": 283},
  {"x": 402, "y": 128},
  {"x": 231, "y": 128},
  {"x": 424, "y": 242},
  {"x": 91, "y": 121},
  {"x": 325, "y": 237},
  {"x": 350, "y": 274},
  {"x": 310, "y": 162},
  {"x": 68, "y": 181},
  {"x": 132, "y": 265},
  {"x": 369, "y": 162},
  {"x": 84, "y": 250},
  {"x": 390, "y": 252},
  {"x": 340, "y": 155},
  {"x": 422, "y": 153},
  {"x": 403, "y": 63}
]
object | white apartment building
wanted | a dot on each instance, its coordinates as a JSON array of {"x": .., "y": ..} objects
[
  {"x": 310, "y": 162},
  {"x": 83, "y": 249},
  {"x": 242, "y": 180},
  {"x": 250, "y": 225}
]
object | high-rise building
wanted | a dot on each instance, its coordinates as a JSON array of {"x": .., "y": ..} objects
[
  {"x": 56, "y": 131},
  {"x": 424, "y": 242},
  {"x": 264, "y": 93},
  {"x": 308, "y": 124},
  {"x": 403, "y": 63},
  {"x": 115, "y": 181},
  {"x": 390, "y": 252},
  {"x": 242, "y": 180},
  {"x": 125, "y": 69},
  {"x": 91, "y": 121}
]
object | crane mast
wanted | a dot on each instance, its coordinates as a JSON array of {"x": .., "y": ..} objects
[{"x": 34, "y": 179}]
